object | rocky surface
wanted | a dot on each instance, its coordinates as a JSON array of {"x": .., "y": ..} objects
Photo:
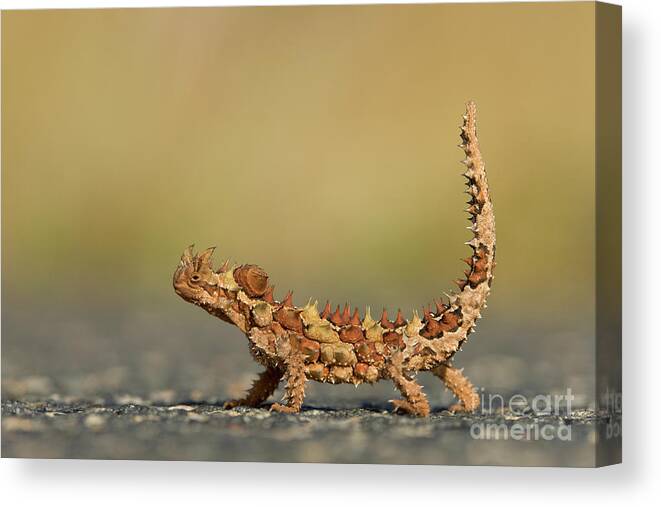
[{"x": 129, "y": 427}]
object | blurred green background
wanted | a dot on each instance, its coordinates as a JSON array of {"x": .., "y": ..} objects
[{"x": 317, "y": 142}]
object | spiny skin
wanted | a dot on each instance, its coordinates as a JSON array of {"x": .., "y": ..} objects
[{"x": 337, "y": 346}]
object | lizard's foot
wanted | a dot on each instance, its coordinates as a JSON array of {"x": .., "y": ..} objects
[
  {"x": 455, "y": 380},
  {"x": 405, "y": 407},
  {"x": 284, "y": 409},
  {"x": 234, "y": 403},
  {"x": 414, "y": 402}
]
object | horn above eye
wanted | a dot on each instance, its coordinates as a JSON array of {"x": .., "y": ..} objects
[
  {"x": 187, "y": 256},
  {"x": 204, "y": 258}
]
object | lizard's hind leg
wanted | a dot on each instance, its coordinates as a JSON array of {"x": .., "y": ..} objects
[
  {"x": 295, "y": 387},
  {"x": 461, "y": 387},
  {"x": 414, "y": 402}
]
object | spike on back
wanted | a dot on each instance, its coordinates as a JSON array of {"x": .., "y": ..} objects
[
  {"x": 355, "y": 320},
  {"x": 461, "y": 283},
  {"x": 268, "y": 295},
  {"x": 427, "y": 313},
  {"x": 336, "y": 318},
  {"x": 326, "y": 311},
  {"x": 223, "y": 267},
  {"x": 289, "y": 300},
  {"x": 415, "y": 320},
  {"x": 399, "y": 320},
  {"x": 440, "y": 307},
  {"x": 368, "y": 321},
  {"x": 346, "y": 314},
  {"x": 385, "y": 323}
]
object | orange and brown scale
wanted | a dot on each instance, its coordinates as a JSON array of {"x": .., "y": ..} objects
[{"x": 297, "y": 344}]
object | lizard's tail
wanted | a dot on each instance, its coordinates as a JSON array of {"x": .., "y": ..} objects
[{"x": 454, "y": 320}]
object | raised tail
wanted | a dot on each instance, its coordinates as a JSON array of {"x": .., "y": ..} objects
[
  {"x": 448, "y": 327},
  {"x": 480, "y": 208}
]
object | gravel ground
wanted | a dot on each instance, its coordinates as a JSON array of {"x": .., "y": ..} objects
[{"x": 132, "y": 428}]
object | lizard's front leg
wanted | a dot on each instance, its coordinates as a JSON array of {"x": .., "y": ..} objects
[
  {"x": 261, "y": 389},
  {"x": 455, "y": 380},
  {"x": 414, "y": 402},
  {"x": 295, "y": 388}
]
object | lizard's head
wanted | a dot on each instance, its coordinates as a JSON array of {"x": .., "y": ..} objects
[
  {"x": 217, "y": 291},
  {"x": 196, "y": 281}
]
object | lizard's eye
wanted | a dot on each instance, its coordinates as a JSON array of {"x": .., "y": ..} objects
[{"x": 195, "y": 277}]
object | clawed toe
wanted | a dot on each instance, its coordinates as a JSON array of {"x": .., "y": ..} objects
[
  {"x": 239, "y": 403},
  {"x": 459, "y": 408},
  {"x": 283, "y": 409},
  {"x": 401, "y": 407},
  {"x": 405, "y": 407}
]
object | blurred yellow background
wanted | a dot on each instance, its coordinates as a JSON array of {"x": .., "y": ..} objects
[{"x": 317, "y": 142}]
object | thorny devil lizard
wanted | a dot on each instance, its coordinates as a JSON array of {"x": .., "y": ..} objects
[{"x": 300, "y": 344}]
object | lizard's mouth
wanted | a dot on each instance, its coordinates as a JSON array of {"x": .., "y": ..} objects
[
  {"x": 178, "y": 282},
  {"x": 181, "y": 287}
]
